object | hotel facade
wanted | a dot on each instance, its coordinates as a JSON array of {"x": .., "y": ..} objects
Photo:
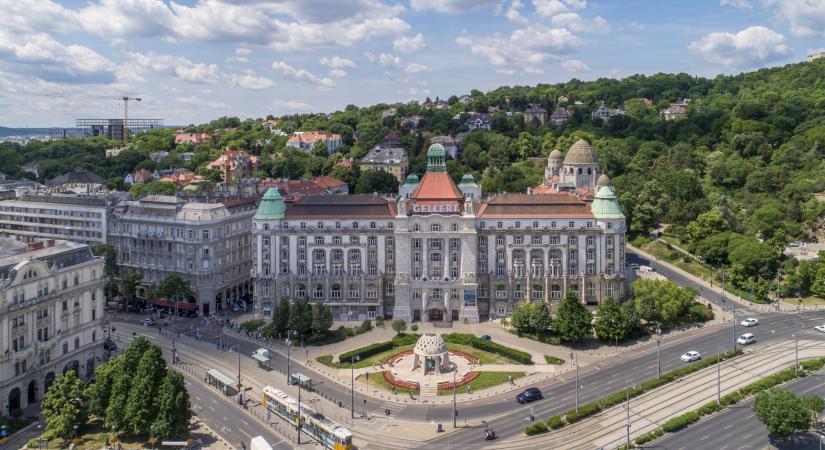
[{"x": 441, "y": 252}]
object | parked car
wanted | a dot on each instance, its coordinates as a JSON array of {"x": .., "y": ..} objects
[
  {"x": 148, "y": 322},
  {"x": 820, "y": 328},
  {"x": 110, "y": 345},
  {"x": 746, "y": 339},
  {"x": 634, "y": 267},
  {"x": 691, "y": 356},
  {"x": 486, "y": 337},
  {"x": 529, "y": 395},
  {"x": 750, "y": 322}
]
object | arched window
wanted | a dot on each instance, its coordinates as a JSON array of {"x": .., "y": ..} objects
[
  {"x": 318, "y": 292},
  {"x": 574, "y": 289},
  {"x": 336, "y": 291},
  {"x": 300, "y": 291},
  {"x": 537, "y": 292},
  {"x": 555, "y": 291}
]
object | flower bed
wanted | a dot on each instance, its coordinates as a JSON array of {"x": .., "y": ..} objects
[
  {"x": 389, "y": 378},
  {"x": 468, "y": 377}
]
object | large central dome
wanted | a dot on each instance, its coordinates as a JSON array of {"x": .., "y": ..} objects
[
  {"x": 430, "y": 344},
  {"x": 580, "y": 153}
]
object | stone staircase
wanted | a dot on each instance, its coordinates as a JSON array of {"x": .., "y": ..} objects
[{"x": 428, "y": 390}]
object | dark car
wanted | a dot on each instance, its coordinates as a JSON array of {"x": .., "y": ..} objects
[
  {"x": 529, "y": 395},
  {"x": 486, "y": 337}
]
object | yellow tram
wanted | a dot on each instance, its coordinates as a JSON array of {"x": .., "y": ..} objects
[{"x": 330, "y": 434}]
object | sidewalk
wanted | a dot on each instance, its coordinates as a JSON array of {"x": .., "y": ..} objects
[{"x": 651, "y": 410}]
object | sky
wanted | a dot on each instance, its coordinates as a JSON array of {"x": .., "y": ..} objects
[{"x": 193, "y": 61}]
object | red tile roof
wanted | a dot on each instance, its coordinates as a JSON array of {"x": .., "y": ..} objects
[
  {"x": 436, "y": 186},
  {"x": 362, "y": 206},
  {"x": 328, "y": 182},
  {"x": 538, "y": 206}
]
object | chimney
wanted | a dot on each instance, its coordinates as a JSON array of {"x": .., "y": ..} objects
[{"x": 34, "y": 246}]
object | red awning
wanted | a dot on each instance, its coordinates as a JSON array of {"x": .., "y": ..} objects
[{"x": 183, "y": 306}]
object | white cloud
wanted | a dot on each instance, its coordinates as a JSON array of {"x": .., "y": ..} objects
[
  {"x": 336, "y": 62},
  {"x": 741, "y": 4},
  {"x": 513, "y": 14},
  {"x": 251, "y": 81},
  {"x": 574, "y": 22},
  {"x": 456, "y": 6},
  {"x": 302, "y": 75},
  {"x": 525, "y": 48},
  {"x": 394, "y": 62},
  {"x": 196, "y": 101},
  {"x": 746, "y": 48},
  {"x": 178, "y": 66},
  {"x": 505, "y": 71},
  {"x": 550, "y": 8},
  {"x": 408, "y": 44},
  {"x": 292, "y": 105},
  {"x": 575, "y": 65},
  {"x": 338, "y": 73},
  {"x": 42, "y": 55},
  {"x": 806, "y": 18},
  {"x": 241, "y": 55}
]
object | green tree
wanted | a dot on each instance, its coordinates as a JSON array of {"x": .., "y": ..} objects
[
  {"x": 706, "y": 225},
  {"x": 100, "y": 391},
  {"x": 281, "y": 317},
  {"x": 376, "y": 181},
  {"x": 609, "y": 324},
  {"x": 116, "y": 418},
  {"x": 399, "y": 326},
  {"x": 782, "y": 412},
  {"x": 320, "y": 149},
  {"x": 300, "y": 317},
  {"x": 630, "y": 317},
  {"x": 142, "y": 407},
  {"x": 818, "y": 284},
  {"x": 62, "y": 405},
  {"x": 540, "y": 318},
  {"x": 157, "y": 187},
  {"x": 321, "y": 318},
  {"x": 521, "y": 317},
  {"x": 573, "y": 320},
  {"x": 129, "y": 282},
  {"x": 134, "y": 352},
  {"x": 814, "y": 403},
  {"x": 174, "y": 287},
  {"x": 174, "y": 412},
  {"x": 662, "y": 300}
]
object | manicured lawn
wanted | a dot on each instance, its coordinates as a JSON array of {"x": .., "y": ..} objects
[
  {"x": 553, "y": 360},
  {"x": 484, "y": 356},
  {"x": 485, "y": 380},
  {"x": 805, "y": 301},
  {"x": 377, "y": 380}
]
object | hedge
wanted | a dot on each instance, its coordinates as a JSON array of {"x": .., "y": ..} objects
[
  {"x": 586, "y": 410},
  {"x": 553, "y": 360},
  {"x": 488, "y": 346},
  {"x": 401, "y": 340},
  {"x": 366, "y": 352},
  {"x": 536, "y": 428},
  {"x": 555, "y": 422},
  {"x": 679, "y": 422},
  {"x": 252, "y": 325},
  {"x": 647, "y": 437}
]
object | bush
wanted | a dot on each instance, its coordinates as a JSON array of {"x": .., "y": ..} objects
[
  {"x": 699, "y": 313},
  {"x": 536, "y": 428},
  {"x": 488, "y": 346},
  {"x": 679, "y": 422},
  {"x": 252, "y": 325},
  {"x": 414, "y": 327},
  {"x": 555, "y": 422},
  {"x": 365, "y": 326},
  {"x": 553, "y": 360},
  {"x": 649, "y": 436},
  {"x": 708, "y": 408},
  {"x": 401, "y": 340},
  {"x": 366, "y": 352},
  {"x": 379, "y": 322},
  {"x": 730, "y": 399},
  {"x": 586, "y": 410}
]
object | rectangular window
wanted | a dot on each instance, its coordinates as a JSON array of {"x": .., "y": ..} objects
[
  {"x": 518, "y": 240},
  {"x": 536, "y": 240}
]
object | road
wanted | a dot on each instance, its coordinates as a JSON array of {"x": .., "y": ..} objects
[{"x": 738, "y": 429}]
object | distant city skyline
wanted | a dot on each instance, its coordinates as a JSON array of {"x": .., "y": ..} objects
[{"x": 194, "y": 61}]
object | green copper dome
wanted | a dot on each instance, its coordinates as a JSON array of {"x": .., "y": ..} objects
[
  {"x": 412, "y": 179},
  {"x": 436, "y": 159},
  {"x": 467, "y": 179},
  {"x": 605, "y": 205},
  {"x": 436, "y": 150},
  {"x": 272, "y": 206}
]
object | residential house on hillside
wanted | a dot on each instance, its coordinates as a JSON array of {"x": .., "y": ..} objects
[
  {"x": 191, "y": 138},
  {"x": 305, "y": 140},
  {"x": 816, "y": 55},
  {"x": 559, "y": 116},
  {"x": 535, "y": 114},
  {"x": 158, "y": 156},
  {"x": 344, "y": 163},
  {"x": 646, "y": 101},
  {"x": 605, "y": 113},
  {"x": 389, "y": 112},
  {"x": 139, "y": 176},
  {"x": 76, "y": 176},
  {"x": 186, "y": 156},
  {"x": 112, "y": 152},
  {"x": 234, "y": 165},
  {"x": 482, "y": 121},
  {"x": 676, "y": 110},
  {"x": 562, "y": 99},
  {"x": 412, "y": 123},
  {"x": 331, "y": 184},
  {"x": 449, "y": 143},
  {"x": 387, "y": 156}
]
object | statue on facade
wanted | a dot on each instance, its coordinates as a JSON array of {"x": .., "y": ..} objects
[
  {"x": 402, "y": 206},
  {"x": 468, "y": 207}
]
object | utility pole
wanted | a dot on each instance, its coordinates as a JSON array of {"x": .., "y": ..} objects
[
  {"x": 298, "y": 425},
  {"x": 455, "y": 411},
  {"x": 352, "y": 381},
  {"x": 627, "y": 405},
  {"x": 733, "y": 310},
  {"x": 658, "y": 358},
  {"x": 719, "y": 375},
  {"x": 576, "y": 361},
  {"x": 796, "y": 345},
  {"x": 288, "y": 343}
]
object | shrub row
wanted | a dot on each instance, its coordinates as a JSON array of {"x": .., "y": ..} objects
[
  {"x": 252, "y": 325},
  {"x": 488, "y": 346},
  {"x": 589, "y": 409},
  {"x": 536, "y": 428},
  {"x": 553, "y": 360},
  {"x": 555, "y": 422},
  {"x": 401, "y": 340},
  {"x": 366, "y": 352},
  {"x": 679, "y": 422}
]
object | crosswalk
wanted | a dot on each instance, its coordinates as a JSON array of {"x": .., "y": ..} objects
[{"x": 394, "y": 408}]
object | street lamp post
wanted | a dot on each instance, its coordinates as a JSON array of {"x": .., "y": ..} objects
[
  {"x": 288, "y": 344},
  {"x": 719, "y": 375},
  {"x": 574, "y": 357},
  {"x": 733, "y": 310},
  {"x": 239, "y": 368},
  {"x": 796, "y": 345},
  {"x": 352, "y": 381},
  {"x": 658, "y": 359},
  {"x": 298, "y": 425},
  {"x": 627, "y": 405},
  {"x": 455, "y": 411}
]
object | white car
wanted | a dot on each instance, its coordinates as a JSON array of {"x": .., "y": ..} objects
[
  {"x": 820, "y": 328},
  {"x": 691, "y": 356},
  {"x": 746, "y": 339},
  {"x": 750, "y": 322}
]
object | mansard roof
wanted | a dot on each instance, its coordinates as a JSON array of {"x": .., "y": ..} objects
[
  {"x": 535, "y": 206},
  {"x": 360, "y": 206}
]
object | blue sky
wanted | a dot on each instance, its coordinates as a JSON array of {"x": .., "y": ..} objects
[{"x": 192, "y": 61}]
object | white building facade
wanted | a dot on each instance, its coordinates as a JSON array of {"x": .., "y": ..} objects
[
  {"x": 71, "y": 217},
  {"x": 439, "y": 252},
  {"x": 51, "y": 316}
]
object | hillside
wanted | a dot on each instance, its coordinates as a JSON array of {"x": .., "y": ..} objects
[{"x": 745, "y": 158}]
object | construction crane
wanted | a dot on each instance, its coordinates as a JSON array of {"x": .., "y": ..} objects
[{"x": 124, "y": 98}]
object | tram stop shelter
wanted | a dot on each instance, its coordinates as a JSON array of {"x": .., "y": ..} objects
[
  {"x": 222, "y": 382},
  {"x": 262, "y": 357},
  {"x": 299, "y": 378}
]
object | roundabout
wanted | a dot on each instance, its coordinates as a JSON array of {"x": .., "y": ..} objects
[{"x": 430, "y": 364}]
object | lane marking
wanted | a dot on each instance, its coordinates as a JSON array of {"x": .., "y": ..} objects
[
  {"x": 213, "y": 409},
  {"x": 198, "y": 398},
  {"x": 245, "y": 433}
]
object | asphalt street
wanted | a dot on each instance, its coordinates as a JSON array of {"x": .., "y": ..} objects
[{"x": 738, "y": 429}]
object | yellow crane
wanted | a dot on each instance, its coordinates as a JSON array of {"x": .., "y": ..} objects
[{"x": 124, "y": 98}]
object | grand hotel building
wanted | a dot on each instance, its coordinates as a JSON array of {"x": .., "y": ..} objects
[{"x": 439, "y": 251}]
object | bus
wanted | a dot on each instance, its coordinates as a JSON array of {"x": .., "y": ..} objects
[{"x": 330, "y": 434}]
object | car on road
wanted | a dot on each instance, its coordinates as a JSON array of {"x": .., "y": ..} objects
[
  {"x": 148, "y": 322},
  {"x": 529, "y": 395},
  {"x": 820, "y": 328},
  {"x": 486, "y": 337},
  {"x": 634, "y": 267},
  {"x": 745, "y": 339},
  {"x": 749, "y": 322},
  {"x": 691, "y": 356}
]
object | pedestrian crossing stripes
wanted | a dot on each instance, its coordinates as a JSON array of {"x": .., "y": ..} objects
[{"x": 394, "y": 408}]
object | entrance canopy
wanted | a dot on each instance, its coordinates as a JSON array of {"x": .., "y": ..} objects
[
  {"x": 183, "y": 306},
  {"x": 218, "y": 376}
]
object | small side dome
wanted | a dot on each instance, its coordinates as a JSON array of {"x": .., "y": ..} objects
[
  {"x": 602, "y": 181},
  {"x": 412, "y": 179},
  {"x": 555, "y": 154},
  {"x": 272, "y": 206},
  {"x": 436, "y": 150},
  {"x": 468, "y": 178}
]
